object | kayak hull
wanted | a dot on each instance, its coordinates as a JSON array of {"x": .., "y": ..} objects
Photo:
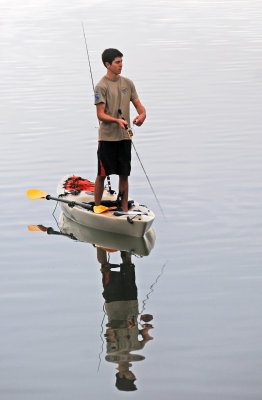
[
  {"x": 140, "y": 246},
  {"x": 133, "y": 225}
]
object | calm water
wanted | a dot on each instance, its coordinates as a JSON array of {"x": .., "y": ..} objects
[{"x": 197, "y": 66}]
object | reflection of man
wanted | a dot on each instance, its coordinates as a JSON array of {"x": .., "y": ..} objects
[{"x": 122, "y": 334}]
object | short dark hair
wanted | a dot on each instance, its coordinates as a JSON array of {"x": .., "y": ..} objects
[
  {"x": 125, "y": 384},
  {"x": 109, "y": 55}
]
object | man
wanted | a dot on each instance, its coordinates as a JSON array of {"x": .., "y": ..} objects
[{"x": 112, "y": 99}]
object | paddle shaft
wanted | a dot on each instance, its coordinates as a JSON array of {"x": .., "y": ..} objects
[{"x": 70, "y": 203}]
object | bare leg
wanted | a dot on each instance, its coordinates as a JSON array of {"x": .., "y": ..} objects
[
  {"x": 123, "y": 188},
  {"x": 99, "y": 188}
]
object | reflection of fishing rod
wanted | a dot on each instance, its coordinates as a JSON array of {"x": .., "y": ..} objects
[
  {"x": 151, "y": 288},
  {"x": 101, "y": 337}
]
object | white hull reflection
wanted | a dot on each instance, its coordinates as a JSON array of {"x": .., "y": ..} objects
[{"x": 141, "y": 246}]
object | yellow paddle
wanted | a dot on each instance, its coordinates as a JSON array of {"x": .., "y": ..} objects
[
  {"x": 35, "y": 194},
  {"x": 101, "y": 209}
]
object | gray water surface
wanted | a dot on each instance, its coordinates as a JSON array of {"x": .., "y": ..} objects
[{"x": 197, "y": 67}]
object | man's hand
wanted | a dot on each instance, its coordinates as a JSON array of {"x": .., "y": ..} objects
[
  {"x": 139, "y": 119},
  {"x": 123, "y": 124},
  {"x": 141, "y": 112},
  {"x": 102, "y": 116}
]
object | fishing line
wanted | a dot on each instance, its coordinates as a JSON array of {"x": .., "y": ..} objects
[
  {"x": 154, "y": 193},
  {"x": 130, "y": 133}
]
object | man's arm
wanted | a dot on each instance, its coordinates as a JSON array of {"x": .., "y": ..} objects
[
  {"x": 102, "y": 116},
  {"x": 141, "y": 113}
]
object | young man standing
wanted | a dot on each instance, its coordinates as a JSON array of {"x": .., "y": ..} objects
[{"x": 113, "y": 95}]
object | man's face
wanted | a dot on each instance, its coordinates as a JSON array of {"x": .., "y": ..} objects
[{"x": 116, "y": 66}]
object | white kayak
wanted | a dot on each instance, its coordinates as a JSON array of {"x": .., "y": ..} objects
[{"x": 136, "y": 222}]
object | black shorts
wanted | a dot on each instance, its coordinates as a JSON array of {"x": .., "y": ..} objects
[{"x": 114, "y": 157}]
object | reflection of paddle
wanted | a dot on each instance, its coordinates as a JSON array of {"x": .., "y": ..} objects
[
  {"x": 105, "y": 249},
  {"x": 35, "y": 194},
  {"x": 37, "y": 228},
  {"x": 49, "y": 230}
]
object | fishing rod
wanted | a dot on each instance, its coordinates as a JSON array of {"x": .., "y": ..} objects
[
  {"x": 88, "y": 58},
  {"x": 90, "y": 69},
  {"x": 128, "y": 130}
]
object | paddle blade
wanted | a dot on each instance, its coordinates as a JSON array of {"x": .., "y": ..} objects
[
  {"x": 35, "y": 194},
  {"x": 101, "y": 209},
  {"x": 105, "y": 249},
  {"x": 37, "y": 228}
]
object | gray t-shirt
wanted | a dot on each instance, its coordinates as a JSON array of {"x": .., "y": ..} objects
[{"x": 115, "y": 95}]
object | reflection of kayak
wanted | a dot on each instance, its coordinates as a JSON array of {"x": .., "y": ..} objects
[
  {"x": 139, "y": 246},
  {"x": 136, "y": 222}
]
